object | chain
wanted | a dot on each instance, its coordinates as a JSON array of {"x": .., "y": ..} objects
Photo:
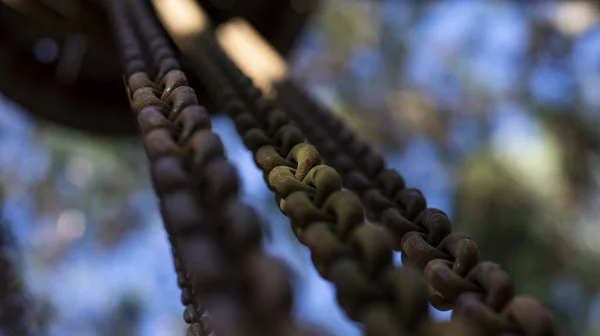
[
  {"x": 355, "y": 256},
  {"x": 479, "y": 290},
  {"x": 216, "y": 239},
  {"x": 212, "y": 259}
]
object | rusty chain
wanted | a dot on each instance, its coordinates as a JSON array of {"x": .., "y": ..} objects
[
  {"x": 197, "y": 183},
  {"x": 355, "y": 256},
  {"x": 216, "y": 239},
  {"x": 479, "y": 290}
]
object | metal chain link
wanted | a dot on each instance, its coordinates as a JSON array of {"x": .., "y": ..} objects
[
  {"x": 478, "y": 290},
  {"x": 216, "y": 239},
  {"x": 355, "y": 256}
]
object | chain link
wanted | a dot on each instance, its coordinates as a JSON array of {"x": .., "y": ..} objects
[
  {"x": 480, "y": 291},
  {"x": 355, "y": 256},
  {"x": 216, "y": 239}
]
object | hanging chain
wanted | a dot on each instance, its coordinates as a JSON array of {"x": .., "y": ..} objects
[
  {"x": 478, "y": 290},
  {"x": 481, "y": 292},
  {"x": 355, "y": 256},
  {"x": 216, "y": 239}
]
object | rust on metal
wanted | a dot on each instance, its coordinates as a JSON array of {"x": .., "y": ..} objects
[
  {"x": 355, "y": 256},
  {"x": 479, "y": 291},
  {"x": 216, "y": 239}
]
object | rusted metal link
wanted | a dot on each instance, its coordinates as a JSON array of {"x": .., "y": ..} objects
[
  {"x": 13, "y": 301},
  {"x": 355, "y": 256},
  {"x": 477, "y": 290},
  {"x": 216, "y": 239},
  {"x": 198, "y": 189},
  {"x": 141, "y": 93}
]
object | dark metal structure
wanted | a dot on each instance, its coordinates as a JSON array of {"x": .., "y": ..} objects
[{"x": 56, "y": 56}]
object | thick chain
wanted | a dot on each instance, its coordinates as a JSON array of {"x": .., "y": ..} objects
[
  {"x": 355, "y": 256},
  {"x": 480, "y": 291},
  {"x": 216, "y": 239}
]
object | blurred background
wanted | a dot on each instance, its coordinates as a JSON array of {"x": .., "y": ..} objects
[{"x": 491, "y": 108}]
